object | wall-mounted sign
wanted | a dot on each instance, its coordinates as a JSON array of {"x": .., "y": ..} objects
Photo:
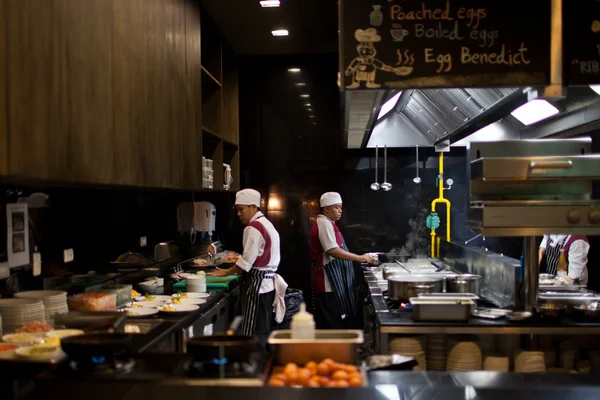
[
  {"x": 582, "y": 41},
  {"x": 444, "y": 43}
]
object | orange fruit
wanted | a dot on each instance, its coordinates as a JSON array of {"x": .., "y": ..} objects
[
  {"x": 331, "y": 384},
  {"x": 313, "y": 382},
  {"x": 303, "y": 376},
  {"x": 323, "y": 380},
  {"x": 323, "y": 369},
  {"x": 292, "y": 377},
  {"x": 276, "y": 382},
  {"x": 342, "y": 383},
  {"x": 280, "y": 376},
  {"x": 289, "y": 367},
  {"x": 350, "y": 368},
  {"x": 355, "y": 381},
  {"x": 340, "y": 375}
]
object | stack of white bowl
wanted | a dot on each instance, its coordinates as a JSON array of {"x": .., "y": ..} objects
[
  {"x": 436, "y": 352},
  {"x": 55, "y": 301},
  {"x": 17, "y": 312},
  {"x": 464, "y": 355},
  {"x": 196, "y": 283},
  {"x": 496, "y": 363},
  {"x": 530, "y": 361},
  {"x": 410, "y": 346}
]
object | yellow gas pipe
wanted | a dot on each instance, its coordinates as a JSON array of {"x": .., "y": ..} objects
[{"x": 440, "y": 199}]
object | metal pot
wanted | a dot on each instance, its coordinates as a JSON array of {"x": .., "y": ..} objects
[
  {"x": 403, "y": 287},
  {"x": 463, "y": 283}
]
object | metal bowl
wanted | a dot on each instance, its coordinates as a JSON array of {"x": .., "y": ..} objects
[
  {"x": 587, "y": 312},
  {"x": 550, "y": 310},
  {"x": 519, "y": 316}
]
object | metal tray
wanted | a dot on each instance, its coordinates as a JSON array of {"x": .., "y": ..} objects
[
  {"x": 449, "y": 296},
  {"x": 568, "y": 298},
  {"x": 432, "y": 309},
  {"x": 562, "y": 288},
  {"x": 339, "y": 345},
  {"x": 491, "y": 313}
]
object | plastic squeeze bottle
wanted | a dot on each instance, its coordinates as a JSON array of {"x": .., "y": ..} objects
[{"x": 303, "y": 324}]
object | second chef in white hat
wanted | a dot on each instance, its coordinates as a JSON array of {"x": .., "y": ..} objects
[
  {"x": 333, "y": 282},
  {"x": 262, "y": 290}
]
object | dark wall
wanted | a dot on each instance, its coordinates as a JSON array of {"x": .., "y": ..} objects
[{"x": 294, "y": 159}]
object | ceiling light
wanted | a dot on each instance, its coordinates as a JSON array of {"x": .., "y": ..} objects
[
  {"x": 270, "y": 3},
  {"x": 309, "y": 109},
  {"x": 304, "y": 95},
  {"x": 307, "y": 104},
  {"x": 534, "y": 111},
  {"x": 294, "y": 70},
  {"x": 300, "y": 84},
  {"x": 388, "y": 106},
  {"x": 312, "y": 116},
  {"x": 595, "y": 88},
  {"x": 280, "y": 32}
]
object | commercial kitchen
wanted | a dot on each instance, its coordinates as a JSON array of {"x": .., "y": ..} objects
[{"x": 459, "y": 134}]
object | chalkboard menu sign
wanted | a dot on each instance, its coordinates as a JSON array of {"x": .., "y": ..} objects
[
  {"x": 581, "y": 30},
  {"x": 444, "y": 43}
]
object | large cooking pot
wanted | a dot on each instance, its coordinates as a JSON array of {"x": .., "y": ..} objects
[
  {"x": 463, "y": 283},
  {"x": 403, "y": 287},
  {"x": 95, "y": 345}
]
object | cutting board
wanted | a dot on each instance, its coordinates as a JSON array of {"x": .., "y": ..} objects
[{"x": 212, "y": 282}]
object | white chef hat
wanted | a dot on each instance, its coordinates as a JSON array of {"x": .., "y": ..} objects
[
  {"x": 36, "y": 200},
  {"x": 247, "y": 197},
  {"x": 330, "y": 198}
]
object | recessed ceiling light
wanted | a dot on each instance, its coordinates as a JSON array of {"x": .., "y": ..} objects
[
  {"x": 270, "y": 3},
  {"x": 534, "y": 111},
  {"x": 312, "y": 116},
  {"x": 293, "y": 69},
  {"x": 305, "y": 95},
  {"x": 280, "y": 32},
  {"x": 299, "y": 84},
  {"x": 309, "y": 109},
  {"x": 307, "y": 104}
]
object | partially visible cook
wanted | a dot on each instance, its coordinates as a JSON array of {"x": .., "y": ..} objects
[{"x": 576, "y": 248}]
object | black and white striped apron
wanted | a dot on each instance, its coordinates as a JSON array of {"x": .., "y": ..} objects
[
  {"x": 343, "y": 284},
  {"x": 553, "y": 254},
  {"x": 250, "y": 295}
]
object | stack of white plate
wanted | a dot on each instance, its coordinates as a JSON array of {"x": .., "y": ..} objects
[
  {"x": 55, "y": 301},
  {"x": 412, "y": 346},
  {"x": 463, "y": 355},
  {"x": 436, "y": 352},
  {"x": 530, "y": 361},
  {"x": 496, "y": 363},
  {"x": 17, "y": 312}
]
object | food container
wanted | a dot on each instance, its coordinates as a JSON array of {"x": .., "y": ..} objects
[
  {"x": 94, "y": 301},
  {"x": 463, "y": 283},
  {"x": 549, "y": 310},
  {"x": 123, "y": 292},
  {"x": 402, "y": 288},
  {"x": 431, "y": 309},
  {"x": 587, "y": 312},
  {"x": 339, "y": 345},
  {"x": 450, "y": 296},
  {"x": 491, "y": 313}
]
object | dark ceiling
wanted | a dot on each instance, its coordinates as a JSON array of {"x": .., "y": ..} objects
[{"x": 313, "y": 25}]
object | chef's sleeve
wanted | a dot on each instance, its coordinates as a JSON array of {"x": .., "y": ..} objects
[
  {"x": 327, "y": 234},
  {"x": 578, "y": 257},
  {"x": 254, "y": 245},
  {"x": 544, "y": 242}
]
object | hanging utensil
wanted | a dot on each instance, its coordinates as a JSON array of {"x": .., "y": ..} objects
[
  {"x": 416, "y": 179},
  {"x": 375, "y": 185},
  {"x": 386, "y": 186}
]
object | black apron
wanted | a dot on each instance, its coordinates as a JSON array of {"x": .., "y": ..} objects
[
  {"x": 250, "y": 295},
  {"x": 553, "y": 254},
  {"x": 343, "y": 285}
]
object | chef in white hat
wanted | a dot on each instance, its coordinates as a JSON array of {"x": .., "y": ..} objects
[
  {"x": 333, "y": 282},
  {"x": 263, "y": 290}
]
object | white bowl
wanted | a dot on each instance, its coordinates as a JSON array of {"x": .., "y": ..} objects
[{"x": 49, "y": 352}]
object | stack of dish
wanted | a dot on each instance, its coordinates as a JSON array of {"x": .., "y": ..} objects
[
  {"x": 530, "y": 361},
  {"x": 55, "y": 302},
  {"x": 410, "y": 347},
  {"x": 464, "y": 355},
  {"x": 436, "y": 352},
  {"x": 496, "y": 363},
  {"x": 567, "y": 355},
  {"x": 17, "y": 312}
]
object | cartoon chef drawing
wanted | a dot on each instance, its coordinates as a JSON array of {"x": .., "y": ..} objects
[{"x": 364, "y": 67}]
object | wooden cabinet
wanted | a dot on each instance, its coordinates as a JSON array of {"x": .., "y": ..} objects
[{"x": 113, "y": 92}]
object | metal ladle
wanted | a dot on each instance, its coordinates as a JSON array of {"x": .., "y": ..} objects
[
  {"x": 375, "y": 185},
  {"x": 416, "y": 179},
  {"x": 386, "y": 186}
]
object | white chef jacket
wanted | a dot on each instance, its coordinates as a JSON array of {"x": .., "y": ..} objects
[
  {"x": 577, "y": 257},
  {"x": 328, "y": 242}
]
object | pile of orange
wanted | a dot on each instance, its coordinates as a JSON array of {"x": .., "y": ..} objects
[{"x": 327, "y": 373}]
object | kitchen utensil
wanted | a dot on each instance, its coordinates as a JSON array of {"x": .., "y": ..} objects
[
  {"x": 95, "y": 345},
  {"x": 519, "y": 316},
  {"x": 91, "y": 320},
  {"x": 490, "y": 313},
  {"x": 587, "y": 312},
  {"x": 164, "y": 251},
  {"x": 231, "y": 346},
  {"x": 550, "y": 310},
  {"x": 386, "y": 186},
  {"x": 375, "y": 185},
  {"x": 403, "y": 267},
  {"x": 546, "y": 277},
  {"x": 432, "y": 309},
  {"x": 440, "y": 266},
  {"x": 416, "y": 179},
  {"x": 463, "y": 283},
  {"x": 402, "y": 288}
]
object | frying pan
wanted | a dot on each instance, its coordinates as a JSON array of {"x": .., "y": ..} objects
[
  {"x": 230, "y": 346},
  {"x": 98, "y": 344},
  {"x": 91, "y": 320}
]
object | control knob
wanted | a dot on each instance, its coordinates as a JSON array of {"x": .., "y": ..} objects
[
  {"x": 594, "y": 217},
  {"x": 573, "y": 217}
]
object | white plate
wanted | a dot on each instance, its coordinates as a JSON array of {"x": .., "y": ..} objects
[
  {"x": 22, "y": 338},
  {"x": 23, "y": 352},
  {"x": 157, "y": 297},
  {"x": 191, "y": 301},
  {"x": 179, "y": 308},
  {"x": 148, "y": 304},
  {"x": 140, "y": 312},
  {"x": 64, "y": 333},
  {"x": 192, "y": 295}
]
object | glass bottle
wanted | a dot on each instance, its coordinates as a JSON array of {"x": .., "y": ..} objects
[
  {"x": 376, "y": 16},
  {"x": 562, "y": 269}
]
